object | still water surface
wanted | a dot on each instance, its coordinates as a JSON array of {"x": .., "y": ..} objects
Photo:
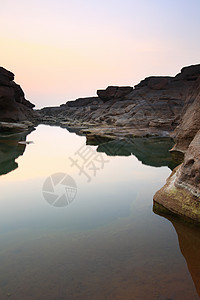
[{"x": 107, "y": 243}]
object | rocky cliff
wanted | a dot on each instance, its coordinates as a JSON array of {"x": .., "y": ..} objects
[
  {"x": 13, "y": 105},
  {"x": 181, "y": 194}
]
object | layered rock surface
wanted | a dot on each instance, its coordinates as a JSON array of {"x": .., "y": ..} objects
[
  {"x": 13, "y": 105},
  {"x": 153, "y": 107},
  {"x": 181, "y": 194},
  {"x": 190, "y": 119}
]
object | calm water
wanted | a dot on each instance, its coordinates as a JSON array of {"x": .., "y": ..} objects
[{"x": 107, "y": 243}]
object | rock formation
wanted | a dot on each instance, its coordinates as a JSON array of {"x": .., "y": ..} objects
[
  {"x": 153, "y": 107},
  {"x": 114, "y": 92},
  {"x": 181, "y": 194},
  {"x": 13, "y": 105}
]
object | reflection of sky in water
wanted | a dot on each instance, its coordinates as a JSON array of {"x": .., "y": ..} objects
[
  {"x": 107, "y": 197},
  {"x": 106, "y": 243}
]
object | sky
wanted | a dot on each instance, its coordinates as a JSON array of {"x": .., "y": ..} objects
[{"x": 61, "y": 50}]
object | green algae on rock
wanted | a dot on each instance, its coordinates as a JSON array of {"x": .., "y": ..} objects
[{"x": 181, "y": 193}]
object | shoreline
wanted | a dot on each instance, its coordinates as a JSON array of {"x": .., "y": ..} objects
[{"x": 159, "y": 106}]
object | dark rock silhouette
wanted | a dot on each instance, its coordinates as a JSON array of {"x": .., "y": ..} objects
[
  {"x": 13, "y": 105},
  {"x": 114, "y": 92}
]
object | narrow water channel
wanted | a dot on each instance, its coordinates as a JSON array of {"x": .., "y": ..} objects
[{"x": 77, "y": 221}]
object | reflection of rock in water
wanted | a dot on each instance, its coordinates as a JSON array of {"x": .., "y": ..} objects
[
  {"x": 10, "y": 149},
  {"x": 189, "y": 242},
  {"x": 150, "y": 151}
]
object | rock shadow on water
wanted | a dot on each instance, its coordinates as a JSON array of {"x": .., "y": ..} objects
[
  {"x": 188, "y": 234},
  {"x": 151, "y": 151},
  {"x": 10, "y": 150}
]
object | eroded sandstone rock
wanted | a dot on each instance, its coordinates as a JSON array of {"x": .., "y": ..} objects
[
  {"x": 190, "y": 119},
  {"x": 154, "y": 105},
  {"x": 189, "y": 73},
  {"x": 181, "y": 193}
]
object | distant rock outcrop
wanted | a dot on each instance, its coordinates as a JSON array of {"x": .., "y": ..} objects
[
  {"x": 153, "y": 107},
  {"x": 114, "y": 93},
  {"x": 13, "y": 105}
]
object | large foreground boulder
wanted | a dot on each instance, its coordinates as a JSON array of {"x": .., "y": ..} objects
[{"x": 181, "y": 193}]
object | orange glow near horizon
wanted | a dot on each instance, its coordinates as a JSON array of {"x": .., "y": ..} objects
[
  {"x": 61, "y": 51},
  {"x": 67, "y": 73}
]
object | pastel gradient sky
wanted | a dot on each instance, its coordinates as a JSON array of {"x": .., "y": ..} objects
[{"x": 60, "y": 50}]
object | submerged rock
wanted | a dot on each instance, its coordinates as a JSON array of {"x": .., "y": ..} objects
[{"x": 25, "y": 142}]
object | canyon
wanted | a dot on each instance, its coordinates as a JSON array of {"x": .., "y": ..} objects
[{"x": 157, "y": 107}]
